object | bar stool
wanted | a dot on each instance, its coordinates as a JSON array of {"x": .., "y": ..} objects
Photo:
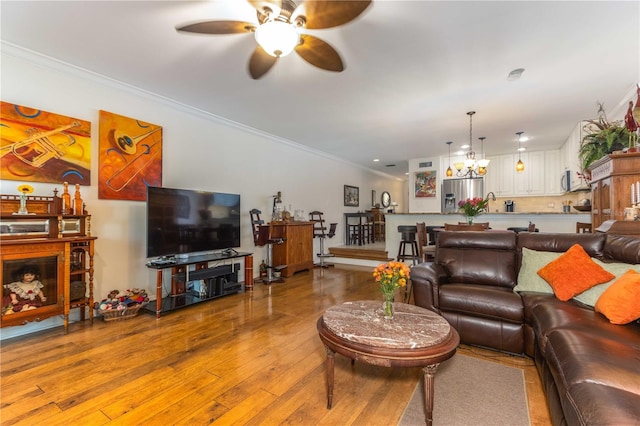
[
  {"x": 262, "y": 237},
  {"x": 408, "y": 239},
  {"x": 320, "y": 231}
]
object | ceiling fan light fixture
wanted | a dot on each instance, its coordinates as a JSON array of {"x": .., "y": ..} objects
[{"x": 277, "y": 38}]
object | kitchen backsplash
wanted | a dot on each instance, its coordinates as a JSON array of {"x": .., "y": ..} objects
[{"x": 539, "y": 204}]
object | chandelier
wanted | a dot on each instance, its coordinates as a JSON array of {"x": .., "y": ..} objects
[{"x": 471, "y": 167}]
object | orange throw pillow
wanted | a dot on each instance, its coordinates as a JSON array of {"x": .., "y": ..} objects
[
  {"x": 573, "y": 272},
  {"x": 620, "y": 303}
]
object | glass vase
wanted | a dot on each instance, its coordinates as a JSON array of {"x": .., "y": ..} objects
[
  {"x": 387, "y": 306},
  {"x": 470, "y": 220},
  {"x": 23, "y": 204}
]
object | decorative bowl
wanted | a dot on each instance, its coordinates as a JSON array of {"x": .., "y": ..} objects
[{"x": 583, "y": 208}]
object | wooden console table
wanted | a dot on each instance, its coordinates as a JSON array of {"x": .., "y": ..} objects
[{"x": 415, "y": 337}]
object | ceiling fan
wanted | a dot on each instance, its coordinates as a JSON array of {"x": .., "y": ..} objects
[{"x": 279, "y": 31}]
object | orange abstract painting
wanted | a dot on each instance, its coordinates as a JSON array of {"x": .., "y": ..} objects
[
  {"x": 40, "y": 146},
  {"x": 130, "y": 157}
]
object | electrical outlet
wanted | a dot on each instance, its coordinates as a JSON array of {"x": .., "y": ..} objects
[{"x": 551, "y": 205}]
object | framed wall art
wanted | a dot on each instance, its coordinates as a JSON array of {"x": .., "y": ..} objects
[
  {"x": 425, "y": 184},
  {"x": 351, "y": 196},
  {"x": 41, "y": 146},
  {"x": 130, "y": 157}
]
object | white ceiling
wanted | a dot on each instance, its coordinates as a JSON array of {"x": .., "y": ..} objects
[{"x": 413, "y": 69}]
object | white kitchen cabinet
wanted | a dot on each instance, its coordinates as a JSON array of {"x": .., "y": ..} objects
[
  {"x": 552, "y": 172},
  {"x": 499, "y": 178},
  {"x": 572, "y": 162},
  {"x": 531, "y": 180}
]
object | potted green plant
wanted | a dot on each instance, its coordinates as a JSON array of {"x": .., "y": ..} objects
[{"x": 604, "y": 137}]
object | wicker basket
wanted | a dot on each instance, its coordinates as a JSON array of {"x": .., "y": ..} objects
[{"x": 123, "y": 314}]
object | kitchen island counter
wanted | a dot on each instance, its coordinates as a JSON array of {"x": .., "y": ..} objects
[{"x": 544, "y": 221}]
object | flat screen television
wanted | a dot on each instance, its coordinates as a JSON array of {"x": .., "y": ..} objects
[{"x": 181, "y": 221}]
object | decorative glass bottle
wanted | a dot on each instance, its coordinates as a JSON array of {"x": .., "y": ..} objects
[
  {"x": 23, "y": 204},
  {"x": 77, "y": 202},
  {"x": 66, "y": 199}
]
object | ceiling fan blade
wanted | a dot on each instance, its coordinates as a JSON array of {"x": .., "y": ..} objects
[
  {"x": 260, "y": 5},
  {"x": 327, "y": 14},
  {"x": 260, "y": 63},
  {"x": 218, "y": 27},
  {"x": 319, "y": 53}
]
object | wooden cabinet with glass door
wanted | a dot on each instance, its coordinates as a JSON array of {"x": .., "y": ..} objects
[
  {"x": 611, "y": 180},
  {"x": 46, "y": 262}
]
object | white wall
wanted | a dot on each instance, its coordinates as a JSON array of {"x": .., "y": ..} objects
[{"x": 200, "y": 151}]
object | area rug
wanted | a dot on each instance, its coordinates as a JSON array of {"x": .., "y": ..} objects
[{"x": 472, "y": 391}]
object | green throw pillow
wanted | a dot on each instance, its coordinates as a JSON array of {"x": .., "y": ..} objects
[
  {"x": 590, "y": 296},
  {"x": 532, "y": 261}
]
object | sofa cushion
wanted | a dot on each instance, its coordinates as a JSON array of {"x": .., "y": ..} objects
[
  {"x": 590, "y": 296},
  {"x": 600, "y": 404},
  {"x": 481, "y": 257},
  {"x": 573, "y": 272},
  {"x": 543, "y": 241},
  {"x": 579, "y": 359},
  {"x": 528, "y": 278},
  {"x": 548, "y": 314},
  {"x": 622, "y": 249},
  {"x": 493, "y": 302},
  {"x": 620, "y": 303}
]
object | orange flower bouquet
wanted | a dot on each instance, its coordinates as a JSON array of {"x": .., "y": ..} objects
[{"x": 390, "y": 276}]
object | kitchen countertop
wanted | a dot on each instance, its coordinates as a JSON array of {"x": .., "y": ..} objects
[
  {"x": 544, "y": 221},
  {"x": 573, "y": 212}
]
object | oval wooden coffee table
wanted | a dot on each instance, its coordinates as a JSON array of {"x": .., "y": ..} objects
[{"x": 415, "y": 337}]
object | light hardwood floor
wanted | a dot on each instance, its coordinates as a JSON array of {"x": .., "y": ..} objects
[{"x": 250, "y": 358}]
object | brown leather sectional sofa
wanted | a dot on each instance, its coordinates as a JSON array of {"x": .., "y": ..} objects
[{"x": 590, "y": 368}]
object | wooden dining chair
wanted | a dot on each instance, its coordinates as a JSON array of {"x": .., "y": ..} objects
[
  {"x": 378, "y": 224},
  {"x": 426, "y": 251},
  {"x": 464, "y": 227},
  {"x": 583, "y": 228},
  {"x": 484, "y": 224}
]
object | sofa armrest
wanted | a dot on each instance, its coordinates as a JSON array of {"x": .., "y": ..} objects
[{"x": 425, "y": 279}]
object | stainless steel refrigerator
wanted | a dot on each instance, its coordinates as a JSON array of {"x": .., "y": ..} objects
[{"x": 454, "y": 190}]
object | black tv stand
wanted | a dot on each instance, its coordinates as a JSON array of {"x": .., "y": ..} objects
[{"x": 200, "y": 283}]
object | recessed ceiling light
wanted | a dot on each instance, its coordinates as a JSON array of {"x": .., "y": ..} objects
[
  {"x": 522, "y": 148},
  {"x": 375, "y": 160},
  {"x": 515, "y": 74},
  {"x": 464, "y": 146},
  {"x": 524, "y": 138}
]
